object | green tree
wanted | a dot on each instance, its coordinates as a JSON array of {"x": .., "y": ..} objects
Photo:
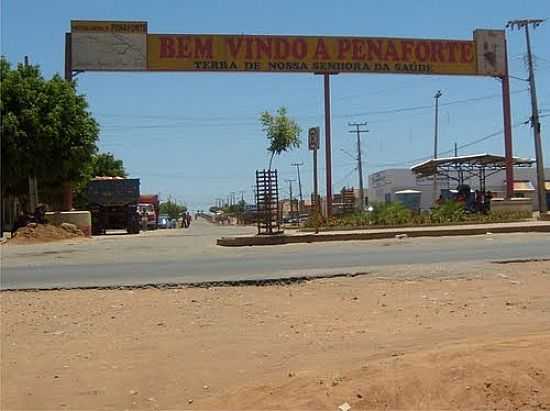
[
  {"x": 106, "y": 165},
  {"x": 172, "y": 209},
  {"x": 47, "y": 131},
  {"x": 235, "y": 208},
  {"x": 283, "y": 133}
]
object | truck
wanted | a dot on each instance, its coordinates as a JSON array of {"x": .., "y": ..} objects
[
  {"x": 113, "y": 203},
  {"x": 149, "y": 206}
]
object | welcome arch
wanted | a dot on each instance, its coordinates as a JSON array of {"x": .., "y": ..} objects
[{"x": 128, "y": 46}]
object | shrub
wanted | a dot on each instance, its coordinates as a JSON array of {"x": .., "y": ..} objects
[
  {"x": 391, "y": 214},
  {"x": 397, "y": 214},
  {"x": 448, "y": 212}
]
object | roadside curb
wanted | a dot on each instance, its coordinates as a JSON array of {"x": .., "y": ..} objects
[{"x": 377, "y": 235}]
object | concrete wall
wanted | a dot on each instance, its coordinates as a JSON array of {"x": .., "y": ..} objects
[{"x": 514, "y": 204}]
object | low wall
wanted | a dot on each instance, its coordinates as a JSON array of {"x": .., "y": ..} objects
[
  {"x": 513, "y": 204},
  {"x": 82, "y": 219},
  {"x": 478, "y": 229}
]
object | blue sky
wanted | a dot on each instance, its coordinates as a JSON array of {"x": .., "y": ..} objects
[{"x": 196, "y": 136}]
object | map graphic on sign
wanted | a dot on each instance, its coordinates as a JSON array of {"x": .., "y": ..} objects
[{"x": 108, "y": 45}]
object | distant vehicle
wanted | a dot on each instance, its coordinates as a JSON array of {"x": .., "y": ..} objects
[
  {"x": 291, "y": 220},
  {"x": 166, "y": 222},
  {"x": 153, "y": 211},
  {"x": 148, "y": 211},
  {"x": 113, "y": 203}
]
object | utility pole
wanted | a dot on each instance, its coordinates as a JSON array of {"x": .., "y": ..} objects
[
  {"x": 436, "y": 131},
  {"x": 254, "y": 199},
  {"x": 535, "y": 123},
  {"x": 328, "y": 144},
  {"x": 242, "y": 195},
  {"x": 290, "y": 181},
  {"x": 67, "y": 185},
  {"x": 33, "y": 184},
  {"x": 298, "y": 165},
  {"x": 358, "y": 131}
]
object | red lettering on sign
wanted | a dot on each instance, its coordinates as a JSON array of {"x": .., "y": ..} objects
[
  {"x": 299, "y": 49},
  {"x": 248, "y": 44},
  {"x": 453, "y": 47},
  {"x": 263, "y": 45},
  {"x": 422, "y": 51},
  {"x": 343, "y": 47},
  {"x": 391, "y": 52},
  {"x": 437, "y": 52},
  {"x": 321, "y": 52},
  {"x": 374, "y": 49},
  {"x": 167, "y": 49},
  {"x": 466, "y": 55},
  {"x": 357, "y": 51},
  {"x": 406, "y": 49},
  {"x": 234, "y": 44},
  {"x": 184, "y": 47},
  {"x": 281, "y": 48},
  {"x": 203, "y": 48}
]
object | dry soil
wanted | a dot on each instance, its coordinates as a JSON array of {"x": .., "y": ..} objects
[{"x": 477, "y": 342}]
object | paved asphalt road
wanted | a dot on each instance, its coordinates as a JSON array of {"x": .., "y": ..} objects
[{"x": 180, "y": 256}]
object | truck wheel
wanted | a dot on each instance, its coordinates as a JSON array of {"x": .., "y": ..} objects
[{"x": 133, "y": 229}]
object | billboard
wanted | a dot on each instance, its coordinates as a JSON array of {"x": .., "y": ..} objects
[
  {"x": 127, "y": 46},
  {"x": 198, "y": 52},
  {"x": 491, "y": 52},
  {"x": 108, "y": 46}
]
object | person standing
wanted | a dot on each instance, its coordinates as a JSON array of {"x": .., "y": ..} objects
[
  {"x": 188, "y": 219},
  {"x": 478, "y": 202},
  {"x": 183, "y": 220},
  {"x": 487, "y": 202}
]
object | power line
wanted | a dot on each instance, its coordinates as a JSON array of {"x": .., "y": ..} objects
[
  {"x": 469, "y": 144},
  {"x": 345, "y": 177},
  {"x": 229, "y": 121}
]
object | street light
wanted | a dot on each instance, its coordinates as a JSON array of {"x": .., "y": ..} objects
[{"x": 437, "y": 96}]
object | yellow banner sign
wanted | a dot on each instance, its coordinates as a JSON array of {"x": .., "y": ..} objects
[
  {"x": 179, "y": 52},
  {"x": 92, "y": 26}
]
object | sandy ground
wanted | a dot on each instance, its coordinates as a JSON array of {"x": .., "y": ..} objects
[
  {"x": 45, "y": 233},
  {"x": 481, "y": 340}
]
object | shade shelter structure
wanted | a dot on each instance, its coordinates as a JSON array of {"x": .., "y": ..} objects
[{"x": 466, "y": 168}]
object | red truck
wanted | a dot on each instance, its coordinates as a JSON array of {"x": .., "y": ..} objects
[{"x": 149, "y": 206}]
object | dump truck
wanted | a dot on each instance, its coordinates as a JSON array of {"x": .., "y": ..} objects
[{"x": 113, "y": 203}]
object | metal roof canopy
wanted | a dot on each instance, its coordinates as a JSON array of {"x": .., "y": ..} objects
[{"x": 462, "y": 168}]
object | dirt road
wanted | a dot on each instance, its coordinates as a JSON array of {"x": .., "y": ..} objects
[{"x": 468, "y": 341}]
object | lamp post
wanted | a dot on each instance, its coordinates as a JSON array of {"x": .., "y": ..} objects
[{"x": 436, "y": 129}]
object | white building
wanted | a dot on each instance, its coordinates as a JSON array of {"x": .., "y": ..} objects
[{"x": 383, "y": 184}]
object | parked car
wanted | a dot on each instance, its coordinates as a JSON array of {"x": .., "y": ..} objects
[{"x": 164, "y": 221}]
